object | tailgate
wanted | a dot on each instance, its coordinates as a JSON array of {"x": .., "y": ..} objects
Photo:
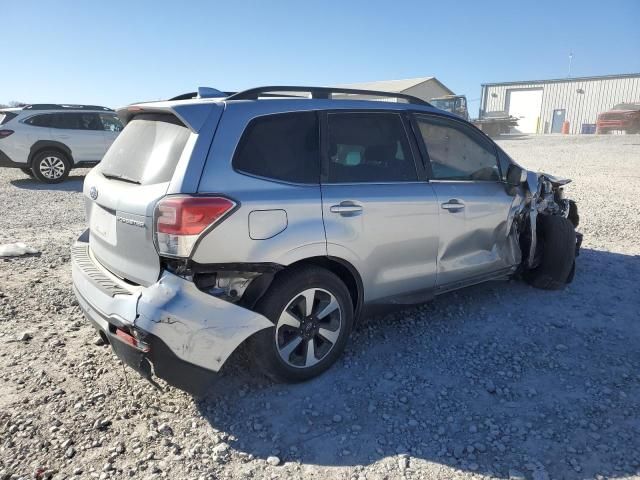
[
  {"x": 121, "y": 232},
  {"x": 121, "y": 193}
]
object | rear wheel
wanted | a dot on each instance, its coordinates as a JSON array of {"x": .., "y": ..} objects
[
  {"x": 557, "y": 244},
  {"x": 51, "y": 166},
  {"x": 312, "y": 314},
  {"x": 27, "y": 171}
]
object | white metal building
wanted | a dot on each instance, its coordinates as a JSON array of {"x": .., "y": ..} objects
[
  {"x": 425, "y": 88},
  {"x": 543, "y": 105}
]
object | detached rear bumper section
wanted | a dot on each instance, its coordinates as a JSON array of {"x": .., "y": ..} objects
[{"x": 170, "y": 329}]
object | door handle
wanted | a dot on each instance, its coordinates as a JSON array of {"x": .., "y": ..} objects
[
  {"x": 63, "y": 136},
  {"x": 346, "y": 209},
  {"x": 453, "y": 205}
]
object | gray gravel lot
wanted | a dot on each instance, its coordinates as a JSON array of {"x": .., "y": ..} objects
[{"x": 500, "y": 380}]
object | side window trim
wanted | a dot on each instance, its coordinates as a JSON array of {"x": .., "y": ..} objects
[
  {"x": 324, "y": 145},
  {"x": 424, "y": 154},
  {"x": 465, "y": 128},
  {"x": 418, "y": 159}
]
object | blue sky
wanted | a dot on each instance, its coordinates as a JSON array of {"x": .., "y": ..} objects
[{"x": 116, "y": 52}]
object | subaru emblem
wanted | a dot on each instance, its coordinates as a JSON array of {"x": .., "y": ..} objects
[{"x": 93, "y": 193}]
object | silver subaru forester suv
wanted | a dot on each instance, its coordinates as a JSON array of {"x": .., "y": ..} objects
[{"x": 276, "y": 217}]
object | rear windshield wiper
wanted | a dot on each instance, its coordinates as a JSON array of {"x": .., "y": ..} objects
[{"x": 121, "y": 178}]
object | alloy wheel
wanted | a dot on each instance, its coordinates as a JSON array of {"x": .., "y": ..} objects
[
  {"x": 52, "y": 167},
  {"x": 308, "y": 328}
]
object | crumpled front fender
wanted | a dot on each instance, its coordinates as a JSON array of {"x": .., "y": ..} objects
[
  {"x": 197, "y": 327},
  {"x": 539, "y": 199}
]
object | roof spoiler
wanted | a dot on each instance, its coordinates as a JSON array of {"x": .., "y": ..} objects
[{"x": 192, "y": 115}]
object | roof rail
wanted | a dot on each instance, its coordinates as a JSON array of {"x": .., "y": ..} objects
[
  {"x": 63, "y": 106},
  {"x": 320, "y": 92}
]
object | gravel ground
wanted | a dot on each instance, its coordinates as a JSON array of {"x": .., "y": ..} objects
[{"x": 499, "y": 380}]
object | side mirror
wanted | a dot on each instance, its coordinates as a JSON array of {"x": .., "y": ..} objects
[{"x": 515, "y": 175}]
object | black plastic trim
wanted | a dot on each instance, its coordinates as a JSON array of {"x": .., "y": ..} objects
[
  {"x": 86, "y": 164},
  {"x": 49, "y": 144},
  {"x": 5, "y": 161},
  {"x": 259, "y": 267}
]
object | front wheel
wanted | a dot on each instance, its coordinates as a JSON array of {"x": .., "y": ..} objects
[
  {"x": 51, "y": 166},
  {"x": 557, "y": 243},
  {"x": 312, "y": 313}
]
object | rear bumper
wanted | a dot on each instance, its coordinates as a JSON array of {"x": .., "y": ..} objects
[
  {"x": 158, "y": 360},
  {"x": 5, "y": 161},
  {"x": 186, "y": 335}
]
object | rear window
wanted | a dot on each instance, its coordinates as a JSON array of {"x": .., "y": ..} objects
[
  {"x": 44, "y": 120},
  {"x": 147, "y": 151},
  {"x": 6, "y": 116},
  {"x": 282, "y": 147}
]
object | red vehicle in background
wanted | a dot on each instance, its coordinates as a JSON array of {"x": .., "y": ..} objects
[{"x": 624, "y": 116}]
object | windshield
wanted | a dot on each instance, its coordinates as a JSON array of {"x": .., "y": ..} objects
[
  {"x": 147, "y": 150},
  {"x": 627, "y": 106}
]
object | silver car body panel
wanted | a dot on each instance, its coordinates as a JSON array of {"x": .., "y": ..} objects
[
  {"x": 85, "y": 145},
  {"x": 474, "y": 238},
  {"x": 392, "y": 240}
]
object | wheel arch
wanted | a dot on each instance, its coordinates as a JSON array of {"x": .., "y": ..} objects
[
  {"x": 346, "y": 272},
  {"x": 42, "y": 145}
]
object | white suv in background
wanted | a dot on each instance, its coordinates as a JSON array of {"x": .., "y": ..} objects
[{"x": 47, "y": 140}]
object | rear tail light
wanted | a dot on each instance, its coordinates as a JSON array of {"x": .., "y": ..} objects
[
  {"x": 180, "y": 220},
  {"x": 126, "y": 337},
  {"x": 5, "y": 133}
]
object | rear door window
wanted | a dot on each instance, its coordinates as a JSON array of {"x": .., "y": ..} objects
[
  {"x": 368, "y": 148},
  {"x": 76, "y": 121},
  {"x": 281, "y": 147},
  {"x": 148, "y": 149}
]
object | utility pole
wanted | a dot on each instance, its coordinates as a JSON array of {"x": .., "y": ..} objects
[{"x": 570, "y": 60}]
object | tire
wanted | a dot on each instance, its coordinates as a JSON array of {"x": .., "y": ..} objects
[
  {"x": 282, "y": 352},
  {"x": 573, "y": 216},
  {"x": 50, "y": 166},
  {"x": 557, "y": 243},
  {"x": 27, "y": 171}
]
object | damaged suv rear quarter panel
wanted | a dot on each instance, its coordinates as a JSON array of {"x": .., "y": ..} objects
[{"x": 200, "y": 329}]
